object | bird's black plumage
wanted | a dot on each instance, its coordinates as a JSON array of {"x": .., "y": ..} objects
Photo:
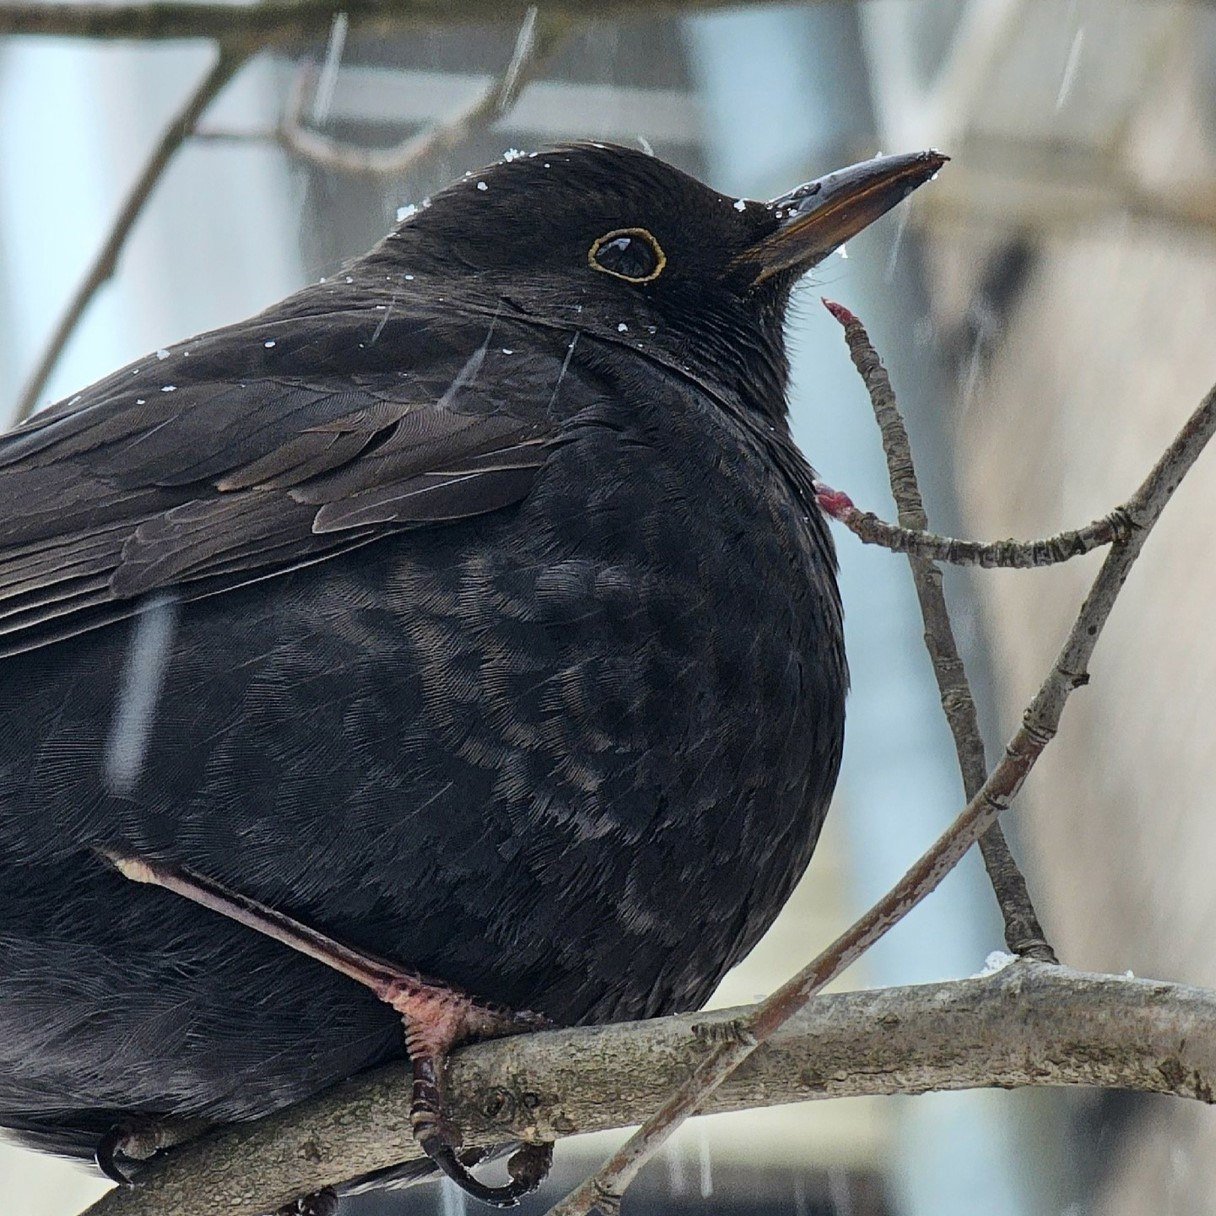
[{"x": 472, "y": 606}]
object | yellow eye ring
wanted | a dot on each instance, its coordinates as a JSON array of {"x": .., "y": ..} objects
[{"x": 660, "y": 258}]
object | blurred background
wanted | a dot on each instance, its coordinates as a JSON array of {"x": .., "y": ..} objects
[{"x": 1048, "y": 310}]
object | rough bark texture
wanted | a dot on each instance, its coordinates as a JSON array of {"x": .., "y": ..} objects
[{"x": 1029, "y": 1024}]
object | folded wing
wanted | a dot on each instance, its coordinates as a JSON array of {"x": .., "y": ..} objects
[{"x": 241, "y": 460}]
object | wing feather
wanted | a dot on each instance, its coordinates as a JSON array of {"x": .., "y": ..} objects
[{"x": 154, "y": 479}]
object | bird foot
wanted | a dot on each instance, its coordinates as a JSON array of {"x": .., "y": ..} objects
[{"x": 437, "y": 1018}]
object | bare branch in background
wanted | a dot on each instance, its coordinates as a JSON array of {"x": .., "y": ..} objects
[
  {"x": 1023, "y": 932},
  {"x": 602, "y": 1191},
  {"x": 227, "y": 64},
  {"x": 299, "y": 20},
  {"x": 539, "y": 36},
  {"x": 1028, "y": 1024},
  {"x": 990, "y": 554}
]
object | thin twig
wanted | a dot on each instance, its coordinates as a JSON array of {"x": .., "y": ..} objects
[
  {"x": 538, "y": 37},
  {"x": 226, "y": 65},
  {"x": 1040, "y": 723},
  {"x": 1024, "y": 1025},
  {"x": 989, "y": 554},
  {"x": 1023, "y": 931}
]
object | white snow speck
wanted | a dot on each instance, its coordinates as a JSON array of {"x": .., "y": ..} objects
[
  {"x": 644, "y": 144},
  {"x": 622, "y": 328},
  {"x": 162, "y": 354},
  {"x": 409, "y": 278},
  {"x": 740, "y": 204},
  {"x": 140, "y": 401},
  {"x": 322, "y": 280},
  {"x": 168, "y": 388},
  {"x": 1129, "y": 975},
  {"x": 512, "y": 154},
  {"x": 652, "y": 329},
  {"x": 406, "y": 212},
  {"x": 998, "y": 960},
  {"x": 482, "y": 186},
  {"x": 546, "y": 164},
  {"x": 844, "y": 252},
  {"x": 268, "y": 345},
  {"x": 349, "y": 279},
  {"x": 507, "y": 351}
]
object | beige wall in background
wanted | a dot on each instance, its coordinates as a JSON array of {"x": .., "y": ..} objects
[{"x": 1112, "y": 344}]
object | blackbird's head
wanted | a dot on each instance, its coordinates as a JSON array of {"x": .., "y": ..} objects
[{"x": 614, "y": 242}]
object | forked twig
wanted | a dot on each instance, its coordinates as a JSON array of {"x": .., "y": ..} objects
[
  {"x": 538, "y": 37},
  {"x": 602, "y": 1192},
  {"x": 227, "y": 64},
  {"x": 1023, "y": 932}
]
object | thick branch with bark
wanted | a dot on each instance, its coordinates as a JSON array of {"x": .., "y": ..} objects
[{"x": 1029, "y": 1024}]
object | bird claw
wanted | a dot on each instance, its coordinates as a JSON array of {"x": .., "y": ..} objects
[
  {"x": 105, "y": 1155},
  {"x": 440, "y": 1140},
  {"x": 528, "y": 1167},
  {"x": 319, "y": 1203}
]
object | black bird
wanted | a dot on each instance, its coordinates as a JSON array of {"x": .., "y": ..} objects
[{"x": 471, "y": 607}]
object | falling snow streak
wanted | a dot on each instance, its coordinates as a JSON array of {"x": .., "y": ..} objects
[
  {"x": 388, "y": 312},
  {"x": 561, "y": 375},
  {"x": 901, "y": 226},
  {"x": 1070, "y": 67},
  {"x": 323, "y": 99},
  {"x": 706, "y": 1163},
  {"x": 472, "y": 365},
  {"x": 138, "y": 691},
  {"x": 451, "y": 1199}
]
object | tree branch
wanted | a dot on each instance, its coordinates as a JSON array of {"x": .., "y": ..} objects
[
  {"x": 602, "y": 1191},
  {"x": 256, "y": 25},
  {"x": 989, "y": 554},
  {"x": 538, "y": 37},
  {"x": 1023, "y": 932},
  {"x": 1028, "y": 1024},
  {"x": 227, "y": 64}
]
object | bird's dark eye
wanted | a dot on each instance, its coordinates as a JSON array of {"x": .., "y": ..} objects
[{"x": 628, "y": 253}]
